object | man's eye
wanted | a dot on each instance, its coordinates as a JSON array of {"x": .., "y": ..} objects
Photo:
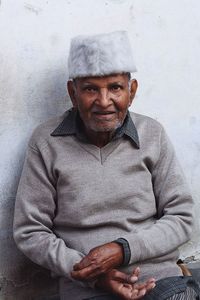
[
  {"x": 116, "y": 88},
  {"x": 90, "y": 89}
]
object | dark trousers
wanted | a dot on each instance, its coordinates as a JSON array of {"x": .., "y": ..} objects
[{"x": 171, "y": 288}]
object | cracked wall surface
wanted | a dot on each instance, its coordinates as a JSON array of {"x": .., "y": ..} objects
[{"x": 34, "y": 41}]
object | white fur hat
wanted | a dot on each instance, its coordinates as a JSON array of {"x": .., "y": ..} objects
[{"x": 100, "y": 55}]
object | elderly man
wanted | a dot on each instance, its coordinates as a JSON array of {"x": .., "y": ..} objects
[{"x": 102, "y": 201}]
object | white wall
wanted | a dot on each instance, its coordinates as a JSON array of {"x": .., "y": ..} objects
[{"x": 34, "y": 40}]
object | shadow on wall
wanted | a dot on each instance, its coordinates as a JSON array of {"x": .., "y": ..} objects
[
  {"x": 44, "y": 97},
  {"x": 47, "y": 97}
]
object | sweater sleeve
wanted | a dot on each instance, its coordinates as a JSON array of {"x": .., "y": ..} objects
[
  {"x": 174, "y": 220},
  {"x": 35, "y": 210}
]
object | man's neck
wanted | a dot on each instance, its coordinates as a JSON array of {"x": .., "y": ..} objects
[{"x": 99, "y": 139}]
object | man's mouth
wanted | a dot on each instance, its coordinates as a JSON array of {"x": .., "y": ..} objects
[
  {"x": 105, "y": 115},
  {"x": 104, "y": 112}
]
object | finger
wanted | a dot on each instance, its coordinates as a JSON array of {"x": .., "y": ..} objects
[
  {"x": 76, "y": 267},
  {"x": 139, "y": 286},
  {"x": 150, "y": 283},
  {"x": 125, "y": 278},
  {"x": 136, "y": 272},
  {"x": 142, "y": 291},
  {"x": 135, "y": 293},
  {"x": 85, "y": 262},
  {"x": 140, "y": 294},
  {"x": 95, "y": 274},
  {"x": 122, "y": 277},
  {"x": 151, "y": 280},
  {"x": 132, "y": 279},
  {"x": 150, "y": 286},
  {"x": 146, "y": 285},
  {"x": 84, "y": 273}
]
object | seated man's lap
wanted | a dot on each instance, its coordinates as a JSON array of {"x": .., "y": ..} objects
[{"x": 171, "y": 288}]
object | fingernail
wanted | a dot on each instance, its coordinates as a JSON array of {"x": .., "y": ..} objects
[{"x": 133, "y": 279}]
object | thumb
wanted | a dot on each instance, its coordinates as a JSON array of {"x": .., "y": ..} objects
[{"x": 124, "y": 278}]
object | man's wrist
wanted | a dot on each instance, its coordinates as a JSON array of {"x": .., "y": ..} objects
[{"x": 126, "y": 250}]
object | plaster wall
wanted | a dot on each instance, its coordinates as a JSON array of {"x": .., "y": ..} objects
[{"x": 34, "y": 41}]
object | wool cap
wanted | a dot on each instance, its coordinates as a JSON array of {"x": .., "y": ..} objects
[{"x": 100, "y": 55}]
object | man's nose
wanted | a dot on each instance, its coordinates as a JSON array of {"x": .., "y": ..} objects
[{"x": 104, "y": 98}]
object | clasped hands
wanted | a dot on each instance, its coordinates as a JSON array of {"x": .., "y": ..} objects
[{"x": 100, "y": 265}]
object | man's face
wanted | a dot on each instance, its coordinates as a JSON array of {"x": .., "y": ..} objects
[{"x": 102, "y": 102}]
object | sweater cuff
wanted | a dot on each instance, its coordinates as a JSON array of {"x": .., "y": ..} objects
[{"x": 126, "y": 250}]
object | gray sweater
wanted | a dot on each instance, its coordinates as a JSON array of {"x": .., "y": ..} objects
[{"x": 74, "y": 196}]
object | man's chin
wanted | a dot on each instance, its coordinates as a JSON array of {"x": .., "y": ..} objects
[{"x": 105, "y": 128}]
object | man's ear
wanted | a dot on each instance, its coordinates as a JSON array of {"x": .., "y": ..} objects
[
  {"x": 133, "y": 89},
  {"x": 72, "y": 92}
]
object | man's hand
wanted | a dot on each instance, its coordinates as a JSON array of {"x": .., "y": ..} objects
[
  {"x": 125, "y": 286},
  {"x": 98, "y": 261}
]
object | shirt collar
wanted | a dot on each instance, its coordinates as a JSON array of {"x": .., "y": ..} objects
[{"x": 72, "y": 124}]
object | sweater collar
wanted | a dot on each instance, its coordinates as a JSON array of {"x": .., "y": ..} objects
[{"x": 72, "y": 125}]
